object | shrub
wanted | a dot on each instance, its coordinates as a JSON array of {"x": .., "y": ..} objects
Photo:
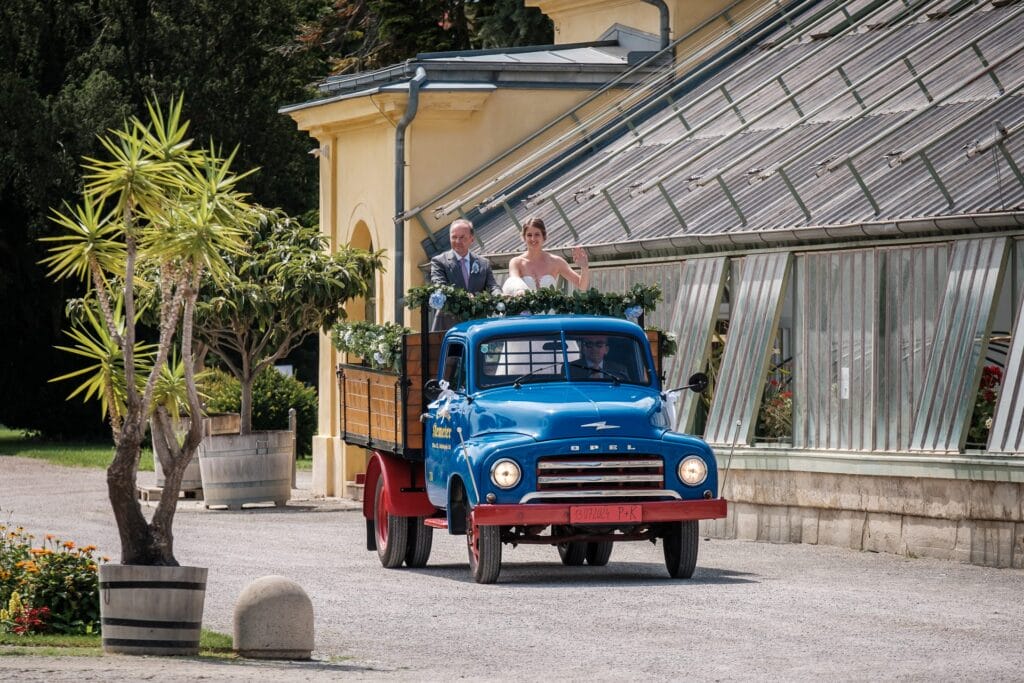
[
  {"x": 51, "y": 588},
  {"x": 985, "y": 406},
  {"x": 273, "y": 394}
]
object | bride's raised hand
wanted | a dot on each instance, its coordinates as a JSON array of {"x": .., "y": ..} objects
[{"x": 580, "y": 257}]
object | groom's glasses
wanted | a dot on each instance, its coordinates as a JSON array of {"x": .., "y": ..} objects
[{"x": 594, "y": 344}]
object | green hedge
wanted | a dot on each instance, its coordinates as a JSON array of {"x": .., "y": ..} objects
[{"x": 272, "y": 395}]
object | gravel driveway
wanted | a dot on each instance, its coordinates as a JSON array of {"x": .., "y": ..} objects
[{"x": 753, "y": 611}]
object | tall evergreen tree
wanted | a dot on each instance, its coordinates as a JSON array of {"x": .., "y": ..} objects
[{"x": 73, "y": 69}]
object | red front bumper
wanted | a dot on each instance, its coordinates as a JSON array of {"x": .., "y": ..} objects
[{"x": 559, "y": 513}]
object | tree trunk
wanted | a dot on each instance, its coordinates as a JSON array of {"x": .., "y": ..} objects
[
  {"x": 174, "y": 461},
  {"x": 246, "y": 404},
  {"x": 138, "y": 543}
]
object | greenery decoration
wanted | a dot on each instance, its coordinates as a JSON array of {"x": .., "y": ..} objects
[
  {"x": 459, "y": 303},
  {"x": 379, "y": 345}
]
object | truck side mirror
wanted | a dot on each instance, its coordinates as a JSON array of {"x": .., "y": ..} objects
[
  {"x": 432, "y": 389},
  {"x": 698, "y": 382}
]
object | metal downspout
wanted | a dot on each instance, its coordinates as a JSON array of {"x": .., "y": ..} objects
[
  {"x": 666, "y": 29},
  {"x": 403, "y": 123}
]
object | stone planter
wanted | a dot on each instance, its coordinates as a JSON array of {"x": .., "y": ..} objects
[
  {"x": 147, "y": 610},
  {"x": 252, "y": 468}
]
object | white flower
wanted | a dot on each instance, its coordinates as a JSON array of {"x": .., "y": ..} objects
[
  {"x": 379, "y": 358},
  {"x": 476, "y": 268},
  {"x": 500, "y": 307}
]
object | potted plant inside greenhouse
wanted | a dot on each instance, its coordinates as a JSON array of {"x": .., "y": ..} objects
[
  {"x": 285, "y": 286},
  {"x": 157, "y": 215}
]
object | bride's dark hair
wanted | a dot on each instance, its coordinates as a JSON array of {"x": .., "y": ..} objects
[{"x": 535, "y": 222}]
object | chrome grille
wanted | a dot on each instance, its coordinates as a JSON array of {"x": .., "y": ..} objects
[{"x": 600, "y": 473}]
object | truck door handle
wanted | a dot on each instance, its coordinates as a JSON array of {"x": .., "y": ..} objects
[{"x": 424, "y": 417}]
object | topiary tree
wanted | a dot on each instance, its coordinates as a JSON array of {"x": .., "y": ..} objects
[
  {"x": 157, "y": 217},
  {"x": 285, "y": 286}
]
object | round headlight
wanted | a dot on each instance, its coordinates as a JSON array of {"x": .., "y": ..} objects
[
  {"x": 506, "y": 474},
  {"x": 693, "y": 471}
]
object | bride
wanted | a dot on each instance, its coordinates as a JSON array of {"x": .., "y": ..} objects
[{"x": 537, "y": 268}]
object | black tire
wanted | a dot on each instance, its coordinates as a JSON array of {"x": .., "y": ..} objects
[
  {"x": 598, "y": 553},
  {"x": 390, "y": 531},
  {"x": 484, "y": 546},
  {"x": 573, "y": 554},
  {"x": 421, "y": 538},
  {"x": 680, "y": 545}
]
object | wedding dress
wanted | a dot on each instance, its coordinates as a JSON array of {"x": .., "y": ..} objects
[{"x": 517, "y": 285}]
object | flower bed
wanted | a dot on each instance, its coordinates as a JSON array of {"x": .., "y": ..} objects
[{"x": 49, "y": 588}]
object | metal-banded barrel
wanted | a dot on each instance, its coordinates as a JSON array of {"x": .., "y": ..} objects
[
  {"x": 146, "y": 610},
  {"x": 246, "y": 468}
]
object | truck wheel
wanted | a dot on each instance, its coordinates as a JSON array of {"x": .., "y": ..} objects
[
  {"x": 390, "y": 531},
  {"x": 680, "y": 545},
  {"x": 484, "y": 544},
  {"x": 421, "y": 538},
  {"x": 598, "y": 553},
  {"x": 573, "y": 553}
]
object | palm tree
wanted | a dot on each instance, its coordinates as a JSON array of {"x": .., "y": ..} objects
[{"x": 156, "y": 216}]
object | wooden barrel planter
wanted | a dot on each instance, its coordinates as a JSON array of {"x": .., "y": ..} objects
[
  {"x": 192, "y": 480},
  {"x": 146, "y": 610},
  {"x": 252, "y": 468}
]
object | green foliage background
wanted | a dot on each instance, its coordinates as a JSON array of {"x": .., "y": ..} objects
[{"x": 71, "y": 70}]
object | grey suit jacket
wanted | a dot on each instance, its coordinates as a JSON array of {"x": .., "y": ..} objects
[{"x": 445, "y": 270}]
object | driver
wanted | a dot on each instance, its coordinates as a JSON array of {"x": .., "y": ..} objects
[{"x": 593, "y": 364}]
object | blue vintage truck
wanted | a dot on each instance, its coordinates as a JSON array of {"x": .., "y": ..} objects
[{"x": 548, "y": 429}]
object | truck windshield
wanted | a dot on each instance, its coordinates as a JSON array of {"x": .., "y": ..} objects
[{"x": 588, "y": 357}]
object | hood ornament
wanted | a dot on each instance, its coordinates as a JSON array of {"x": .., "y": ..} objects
[{"x": 600, "y": 425}]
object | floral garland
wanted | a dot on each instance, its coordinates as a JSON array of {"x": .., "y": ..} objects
[{"x": 379, "y": 345}]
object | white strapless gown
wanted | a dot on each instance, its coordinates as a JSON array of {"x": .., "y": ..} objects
[{"x": 517, "y": 285}]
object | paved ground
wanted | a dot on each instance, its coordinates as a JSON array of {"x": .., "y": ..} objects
[{"x": 753, "y": 611}]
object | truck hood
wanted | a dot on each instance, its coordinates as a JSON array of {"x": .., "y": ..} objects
[{"x": 560, "y": 411}]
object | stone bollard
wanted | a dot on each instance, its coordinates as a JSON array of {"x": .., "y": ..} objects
[{"x": 273, "y": 620}]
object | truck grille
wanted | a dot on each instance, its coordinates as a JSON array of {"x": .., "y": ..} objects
[{"x": 600, "y": 473}]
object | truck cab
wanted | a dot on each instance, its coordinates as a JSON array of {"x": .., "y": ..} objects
[{"x": 549, "y": 429}]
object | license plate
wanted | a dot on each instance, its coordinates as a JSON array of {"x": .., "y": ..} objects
[{"x": 602, "y": 514}]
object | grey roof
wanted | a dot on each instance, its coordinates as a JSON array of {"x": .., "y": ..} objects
[
  {"x": 576, "y": 66},
  {"x": 888, "y": 112}
]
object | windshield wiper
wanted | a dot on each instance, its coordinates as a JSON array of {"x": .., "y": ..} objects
[{"x": 518, "y": 383}]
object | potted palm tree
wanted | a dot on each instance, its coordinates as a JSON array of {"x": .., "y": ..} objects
[
  {"x": 157, "y": 215},
  {"x": 284, "y": 286}
]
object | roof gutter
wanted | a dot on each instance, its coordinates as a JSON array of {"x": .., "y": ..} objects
[
  {"x": 666, "y": 29},
  {"x": 399, "y": 262},
  {"x": 918, "y": 227}
]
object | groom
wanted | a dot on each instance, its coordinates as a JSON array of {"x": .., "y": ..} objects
[{"x": 459, "y": 268}]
